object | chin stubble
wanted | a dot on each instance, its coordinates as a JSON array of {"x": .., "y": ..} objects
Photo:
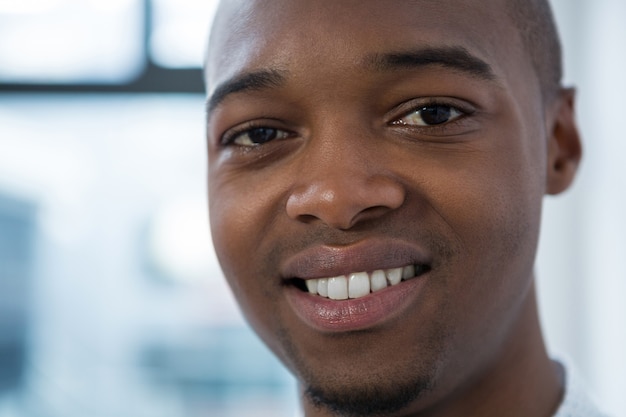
[
  {"x": 375, "y": 400},
  {"x": 369, "y": 394}
]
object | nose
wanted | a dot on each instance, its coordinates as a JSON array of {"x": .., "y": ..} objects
[{"x": 342, "y": 187}]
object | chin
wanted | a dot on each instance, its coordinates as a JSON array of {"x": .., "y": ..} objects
[
  {"x": 381, "y": 381},
  {"x": 376, "y": 398}
]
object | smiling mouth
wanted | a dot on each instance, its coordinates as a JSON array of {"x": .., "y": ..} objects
[{"x": 360, "y": 284}]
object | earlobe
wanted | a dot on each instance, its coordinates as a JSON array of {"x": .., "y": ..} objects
[{"x": 564, "y": 146}]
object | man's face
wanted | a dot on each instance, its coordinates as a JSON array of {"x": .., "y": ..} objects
[{"x": 352, "y": 141}]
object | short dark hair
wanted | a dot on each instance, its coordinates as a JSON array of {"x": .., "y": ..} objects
[{"x": 535, "y": 22}]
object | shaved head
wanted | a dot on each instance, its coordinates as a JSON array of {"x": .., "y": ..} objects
[{"x": 535, "y": 23}]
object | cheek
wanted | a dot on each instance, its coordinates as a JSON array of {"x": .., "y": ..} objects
[
  {"x": 490, "y": 203},
  {"x": 242, "y": 215},
  {"x": 241, "y": 226},
  {"x": 490, "y": 209},
  {"x": 500, "y": 190},
  {"x": 231, "y": 218}
]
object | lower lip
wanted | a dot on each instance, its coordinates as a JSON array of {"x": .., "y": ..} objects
[{"x": 354, "y": 314}]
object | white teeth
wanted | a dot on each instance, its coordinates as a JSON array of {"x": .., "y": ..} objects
[
  {"x": 360, "y": 284},
  {"x": 378, "y": 280},
  {"x": 338, "y": 288},
  {"x": 408, "y": 272},
  {"x": 322, "y": 286},
  {"x": 312, "y": 285},
  {"x": 394, "y": 275}
]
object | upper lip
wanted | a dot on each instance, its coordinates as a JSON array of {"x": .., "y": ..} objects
[{"x": 369, "y": 255}]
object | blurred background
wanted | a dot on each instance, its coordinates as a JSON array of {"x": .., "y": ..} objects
[{"x": 111, "y": 300}]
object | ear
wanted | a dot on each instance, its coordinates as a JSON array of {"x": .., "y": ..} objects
[{"x": 564, "y": 146}]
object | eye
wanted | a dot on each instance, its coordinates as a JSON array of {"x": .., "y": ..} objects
[
  {"x": 254, "y": 136},
  {"x": 430, "y": 115}
]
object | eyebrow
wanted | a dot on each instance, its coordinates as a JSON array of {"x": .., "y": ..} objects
[
  {"x": 252, "y": 81},
  {"x": 455, "y": 58}
]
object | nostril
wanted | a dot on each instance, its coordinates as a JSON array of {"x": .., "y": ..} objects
[
  {"x": 306, "y": 218},
  {"x": 376, "y": 211}
]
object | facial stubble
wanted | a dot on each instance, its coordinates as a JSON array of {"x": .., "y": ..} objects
[{"x": 370, "y": 393}]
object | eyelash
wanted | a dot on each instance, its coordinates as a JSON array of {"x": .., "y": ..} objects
[
  {"x": 411, "y": 107},
  {"x": 231, "y": 135}
]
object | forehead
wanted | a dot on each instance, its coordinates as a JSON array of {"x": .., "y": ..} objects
[{"x": 306, "y": 36}]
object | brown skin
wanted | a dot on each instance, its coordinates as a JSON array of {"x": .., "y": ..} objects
[{"x": 468, "y": 190}]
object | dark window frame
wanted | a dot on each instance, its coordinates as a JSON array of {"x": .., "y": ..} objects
[{"x": 153, "y": 78}]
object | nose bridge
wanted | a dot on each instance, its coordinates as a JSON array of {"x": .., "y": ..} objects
[
  {"x": 343, "y": 178},
  {"x": 340, "y": 156}
]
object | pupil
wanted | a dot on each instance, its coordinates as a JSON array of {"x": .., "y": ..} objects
[
  {"x": 262, "y": 134},
  {"x": 435, "y": 115}
]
